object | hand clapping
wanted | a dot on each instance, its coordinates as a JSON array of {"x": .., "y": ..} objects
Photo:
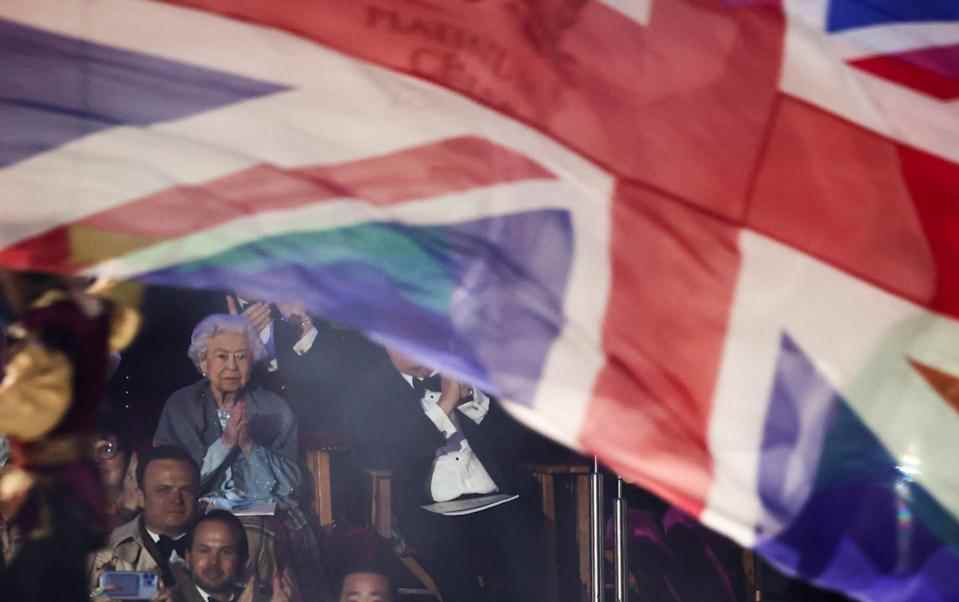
[
  {"x": 452, "y": 394},
  {"x": 237, "y": 431}
]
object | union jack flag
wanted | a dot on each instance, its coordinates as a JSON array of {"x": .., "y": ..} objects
[{"x": 713, "y": 242}]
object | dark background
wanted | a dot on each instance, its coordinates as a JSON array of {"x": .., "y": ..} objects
[{"x": 156, "y": 364}]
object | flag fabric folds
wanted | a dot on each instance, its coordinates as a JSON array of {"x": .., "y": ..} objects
[{"x": 714, "y": 242}]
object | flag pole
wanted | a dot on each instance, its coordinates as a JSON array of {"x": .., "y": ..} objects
[
  {"x": 596, "y": 533},
  {"x": 620, "y": 511}
]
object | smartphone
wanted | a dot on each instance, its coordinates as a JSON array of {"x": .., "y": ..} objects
[{"x": 129, "y": 585}]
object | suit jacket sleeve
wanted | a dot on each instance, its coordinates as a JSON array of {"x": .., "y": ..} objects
[{"x": 389, "y": 426}]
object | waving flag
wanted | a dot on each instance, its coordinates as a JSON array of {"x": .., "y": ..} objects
[{"x": 715, "y": 242}]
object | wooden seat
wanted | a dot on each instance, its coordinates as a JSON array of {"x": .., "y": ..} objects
[
  {"x": 545, "y": 475},
  {"x": 318, "y": 450},
  {"x": 381, "y": 519}
]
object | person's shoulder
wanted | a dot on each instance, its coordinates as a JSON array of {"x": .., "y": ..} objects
[
  {"x": 185, "y": 395},
  {"x": 127, "y": 532},
  {"x": 270, "y": 401},
  {"x": 125, "y": 551}
]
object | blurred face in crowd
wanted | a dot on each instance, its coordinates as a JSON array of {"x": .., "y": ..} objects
[
  {"x": 168, "y": 496},
  {"x": 366, "y": 587},
  {"x": 408, "y": 365},
  {"x": 111, "y": 461},
  {"x": 228, "y": 362},
  {"x": 214, "y": 557}
]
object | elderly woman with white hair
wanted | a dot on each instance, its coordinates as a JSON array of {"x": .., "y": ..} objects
[{"x": 243, "y": 437}]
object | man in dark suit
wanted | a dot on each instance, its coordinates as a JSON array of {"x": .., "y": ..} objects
[
  {"x": 446, "y": 441},
  {"x": 304, "y": 366}
]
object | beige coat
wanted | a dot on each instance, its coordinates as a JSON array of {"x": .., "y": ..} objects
[{"x": 125, "y": 551}]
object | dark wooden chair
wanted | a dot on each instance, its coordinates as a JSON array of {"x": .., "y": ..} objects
[
  {"x": 318, "y": 452},
  {"x": 546, "y": 475},
  {"x": 381, "y": 519}
]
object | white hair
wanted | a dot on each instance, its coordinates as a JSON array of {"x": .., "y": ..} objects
[{"x": 213, "y": 325}]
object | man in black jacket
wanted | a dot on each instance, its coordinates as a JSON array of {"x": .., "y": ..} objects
[
  {"x": 304, "y": 363},
  {"x": 442, "y": 442}
]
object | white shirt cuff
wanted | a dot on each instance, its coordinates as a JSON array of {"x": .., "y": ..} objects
[
  {"x": 266, "y": 333},
  {"x": 439, "y": 418},
  {"x": 477, "y": 409},
  {"x": 306, "y": 341}
]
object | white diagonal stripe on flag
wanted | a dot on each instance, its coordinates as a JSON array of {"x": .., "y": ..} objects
[
  {"x": 352, "y": 111},
  {"x": 637, "y": 10},
  {"x": 859, "y": 338},
  {"x": 814, "y": 72},
  {"x": 893, "y": 39}
]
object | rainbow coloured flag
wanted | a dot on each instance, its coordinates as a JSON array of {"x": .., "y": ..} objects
[{"x": 714, "y": 242}]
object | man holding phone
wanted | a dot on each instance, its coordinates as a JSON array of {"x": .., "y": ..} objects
[{"x": 168, "y": 482}]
